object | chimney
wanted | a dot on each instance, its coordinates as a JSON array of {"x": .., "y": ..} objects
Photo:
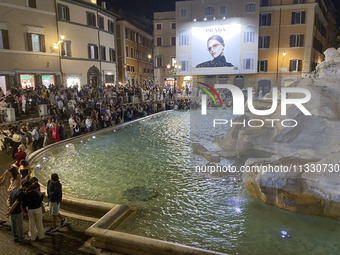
[{"x": 104, "y": 5}]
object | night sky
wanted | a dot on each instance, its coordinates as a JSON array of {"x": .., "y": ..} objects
[
  {"x": 145, "y": 8},
  {"x": 142, "y": 8}
]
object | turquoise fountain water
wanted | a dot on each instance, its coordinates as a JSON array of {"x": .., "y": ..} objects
[{"x": 197, "y": 209}]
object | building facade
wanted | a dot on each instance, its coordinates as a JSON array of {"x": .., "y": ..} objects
[
  {"x": 164, "y": 30},
  {"x": 134, "y": 53},
  {"x": 87, "y": 45},
  {"x": 69, "y": 42},
  {"x": 27, "y": 33},
  {"x": 257, "y": 44}
]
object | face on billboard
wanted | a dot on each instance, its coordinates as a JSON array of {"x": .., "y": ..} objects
[{"x": 215, "y": 48}]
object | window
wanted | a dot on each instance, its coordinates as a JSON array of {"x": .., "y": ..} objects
[
  {"x": 265, "y": 3},
  {"x": 159, "y": 41},
  {"x": 299, "y": 1},
  {"x": 127, "y": 33},
  {"x": 132, "y": 69},
  {"x": 173, "y": 41},
  {"x": 295, "y": 65},
  {"x": 222, "y": 10},
  {"x": 36, "y": 42},
  {"x": 1, "y": 40},
  {"x": 209, "y": 10},
  {"x": 4, "y": 43},
  {"x": 264, "y": 42},
  {"x": 173, "y": 25},
  {"x": 109, "y": 78},
  {"x": 249, "y": 37},
  {"x": 127, "y": 51},
  {"x": 144, "y": 70},
  {"x": 112, "y": 53},
  {"x": 91, "y": 19},
  {"x": 131, "y": 55},
  {"x": 159, "y": 62},
  {"x": 248, "y": 64},
  {"x": 173, "y": 61},
  {"x": 265, "y": 19},
  {"x": 63, "y": 12},
  {"x": 128, "y": 68},
  {"x": 183, "y": 13},
  {"x": 159, "y": 26},
  {"x": 263, "y": 65},
  {"x": 111, "y": 26},
  {"x": 66, "y": 49},
  {"x": 317, "y": 45},
  {"x": 136, "y": 54},
  {"x": 183, "y": 38},
  {"x": 102, "y": 53},
  {"x": 296, "y": 41},
  {"x": 250, "y": 7},
  {"x": 93, "y": 51},
  {"x": 32, "y": 3},
  {"x": 100, "y": 22},
  {"x": 184, "y": 65},
  {"x": 298, "y": 17}
]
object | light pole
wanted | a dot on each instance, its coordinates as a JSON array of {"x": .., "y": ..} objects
[
  {"x": 174, "y": 69},
  {"x": 151, "y": 69}
]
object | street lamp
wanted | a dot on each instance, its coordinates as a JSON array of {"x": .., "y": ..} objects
[{"x": 174, "y": 69}]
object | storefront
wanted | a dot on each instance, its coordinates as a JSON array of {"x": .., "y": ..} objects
[
  {"x": 48, "y": 79},
  {"x": 109, "y": 79},
  {"x": 72, "y": 80},
  {"x": 187, "y": 82},
  {"x": 27, "y": 81},
  {"x": 169, "y": 82}
]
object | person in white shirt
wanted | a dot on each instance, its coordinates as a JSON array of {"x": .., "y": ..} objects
[
  {"x": 71, "y": 124},
  {"x": 88, "y": 123}
]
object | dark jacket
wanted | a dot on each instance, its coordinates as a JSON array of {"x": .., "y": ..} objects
[
  {"x": 54, "y": 191},
  {"x": 16, "y": 195},
  {"x": 33, "y": 200},
  {"x": 220, "y": 61}
]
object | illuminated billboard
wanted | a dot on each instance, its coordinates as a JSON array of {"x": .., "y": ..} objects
[{"x": 224, "y": 46}]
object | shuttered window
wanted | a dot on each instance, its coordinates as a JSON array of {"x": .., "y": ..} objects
[
  {"x": 298, "y": 17},
  {"x": 36, "y": 42},
  {"x": 32, "y": 3},
  {"x": 93, "y": 51},
  {"x": 100, "y": 22},
  {"x": 91, "y": 19},
  {"x": 4, "y": 42},
  {"x": 63, "y": 12},
  {"x": 111, "y": 26},
  {"x": 295, "y": 65}
]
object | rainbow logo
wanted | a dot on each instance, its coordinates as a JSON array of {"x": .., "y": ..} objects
[{"x": 212, "y": 89}]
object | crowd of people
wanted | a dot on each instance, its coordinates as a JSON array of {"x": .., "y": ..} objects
[
  {"x": 71, "y": 112},
  {"x": 27, "y": 101},
  {"x": 26, "y": 199}
]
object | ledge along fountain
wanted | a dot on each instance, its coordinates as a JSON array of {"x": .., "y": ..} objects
[
  {"x": 311, "y": 149},
  {"x": 107, "y": 216}
]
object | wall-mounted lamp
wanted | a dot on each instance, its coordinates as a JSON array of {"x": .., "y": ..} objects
[
  {"x": 56, "y": 45},
  {"x": 284, "y": 53}
]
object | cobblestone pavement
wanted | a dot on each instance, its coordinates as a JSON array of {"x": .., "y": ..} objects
[{"x": 65, "y": 241}]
